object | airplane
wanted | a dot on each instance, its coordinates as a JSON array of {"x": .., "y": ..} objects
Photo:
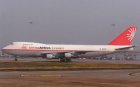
[{"x": 65, "y": 52}]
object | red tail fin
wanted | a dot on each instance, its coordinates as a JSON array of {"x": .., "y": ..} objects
[{"x": 125, "y": 38}]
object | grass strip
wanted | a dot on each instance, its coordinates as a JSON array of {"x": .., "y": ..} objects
[{"x": 54, "y": 66}]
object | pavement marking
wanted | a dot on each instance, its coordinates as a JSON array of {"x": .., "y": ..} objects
[
  {"x": 40, "y": 75},
  {"x": 134, "y": 74}
]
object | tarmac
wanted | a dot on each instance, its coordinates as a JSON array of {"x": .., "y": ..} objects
[
  {"x": 86, "y": 78},
  {"x": 121, "y": 61},
  {"x": 93, "y": 78}
]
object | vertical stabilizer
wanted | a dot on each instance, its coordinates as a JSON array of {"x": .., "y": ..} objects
[{"x": 125, "y": 38}]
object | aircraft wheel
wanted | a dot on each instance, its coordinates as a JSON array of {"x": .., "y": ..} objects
[
  {"x": 68, "y": 59},
  {"x": 62, "y": 59},
  {"x": 16, "y": 59}
]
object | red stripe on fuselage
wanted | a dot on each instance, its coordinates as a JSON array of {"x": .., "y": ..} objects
[{"x": 27, "y": 50}]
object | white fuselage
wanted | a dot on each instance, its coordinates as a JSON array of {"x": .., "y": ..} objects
[{"x": 36, "y": 49}]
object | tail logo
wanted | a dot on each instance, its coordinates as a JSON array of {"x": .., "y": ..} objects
[
  {"x": 131, "y": 33},
  {"x": 126, "y": 37}
]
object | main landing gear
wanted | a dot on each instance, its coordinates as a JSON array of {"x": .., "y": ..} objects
[
  {"x": 16, "y": 58},
  {"x": 65, "y": 59}
]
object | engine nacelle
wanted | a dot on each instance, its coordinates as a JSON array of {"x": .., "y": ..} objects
[
  {"x": 58, "y": 55},
  {"x": 68, "y": 55},
  {"x": 50, "y": 56}
]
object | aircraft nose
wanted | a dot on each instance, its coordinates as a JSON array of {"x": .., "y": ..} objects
[{"x": 4, "y": 49}]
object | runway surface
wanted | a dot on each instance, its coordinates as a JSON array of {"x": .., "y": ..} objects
[
  {"x": 122, "y": 61},
  {"x": 93, "y": 78},
  {"x": 90, "y": 78}
]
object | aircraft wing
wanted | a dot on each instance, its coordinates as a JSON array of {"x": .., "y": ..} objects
[{"x": 74, "y": 54}]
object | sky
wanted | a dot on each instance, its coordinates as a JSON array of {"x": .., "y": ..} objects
[{"x": 67, "y": 21}]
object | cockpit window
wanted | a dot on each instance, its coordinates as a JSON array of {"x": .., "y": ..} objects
[{"x": 11, "y": 43}]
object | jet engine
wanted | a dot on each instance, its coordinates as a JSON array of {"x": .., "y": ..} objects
[
  {"x": 58, "y": 55},
  {"x": 49, "y": 56},
  {"x": 69, "y": 55}
]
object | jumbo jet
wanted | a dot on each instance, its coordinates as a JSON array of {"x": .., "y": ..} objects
[{"x": 65, "y": 52}]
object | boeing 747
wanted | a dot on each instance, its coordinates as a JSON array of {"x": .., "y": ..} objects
[{"x": 65, "y": 52}]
